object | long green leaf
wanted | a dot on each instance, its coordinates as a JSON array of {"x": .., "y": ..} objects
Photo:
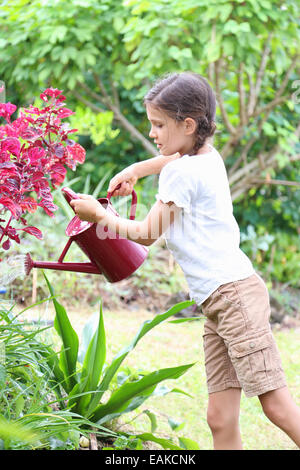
[
  {"x": 188, "y": 444},
  {"x": 77, "y": 397},
  {"x": 60, "y": 200},
  {"x": 92, "y": 365},
  {"x": 86, "y": 188},
  {"x": 32, "y": 305},
  {"x": 120, "y": 399},
  {"x": 102, "y": 181},
  {"x": 165, "y": 443},
  {"x": 68, "y": 356},
  {"x": 56, "y": 422},
  {"x": 52, "y": 360},
  {"x": 96, "y": 354},
  {"x": 183, "y": 320},
  {"x": 164, "y": 390},
  {"x": 119, "y": 358},
  {"x": 87, "y": 335},
  {"x": 13, "y": 430},
  {"x": 152, "y": 418},
  {"x": 175, "y": 425}
]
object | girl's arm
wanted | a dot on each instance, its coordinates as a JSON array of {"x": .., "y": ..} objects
[
  {"x": 145, "y": 232},
  {"x": 129, "y": 176}
]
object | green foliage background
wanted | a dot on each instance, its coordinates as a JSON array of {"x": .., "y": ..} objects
[{"x": 105, "y": 54}]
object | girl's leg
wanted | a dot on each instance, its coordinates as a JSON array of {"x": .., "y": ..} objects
[
  {"x": 223, "y": 419},
  {"x": 280, "y": 408}
]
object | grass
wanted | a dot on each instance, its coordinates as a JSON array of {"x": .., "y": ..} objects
[{"x": 175, "y": 344}]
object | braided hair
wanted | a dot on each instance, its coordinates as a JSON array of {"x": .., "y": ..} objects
[{"x": 186, "y": 95}]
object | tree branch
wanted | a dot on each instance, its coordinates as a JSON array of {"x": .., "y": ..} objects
[
  {"x": 252, "y": 96},
  {"x": 88, "y": 103},
  {"x": 278, "y": 96},
  {"x": 240, "y": 190},
  {"x": 105, "y": 95},
  {"x": 271, "y": 156},
  {"x": 278, "y": 182},
  {"x": 249, "y": 145},
  {"x": 245, "y": 179},
  {"x": 115, "y": 93},
  {"x": 287, "y": 75},
  {"x": 210, "y": 72},
  {"x": 242, "y": 156},
  {"x": 295, "y": 158},
  {"x": 91, "y": 93},
  {"x": 248, "y": 183},
  {"x": 255, "y": 88},
  {"x": 270, "y": 105},
  {"x": 123, "y": 120},
  {"x": 242, "y": 96},
  {"x": 266, "y": 109},
  {"x": 262, "y": 162},
  {"x": 242, "y": 171},
  {"x": 297, "y": 131},
  {"x": 225, "y": 117},
  {"x": 262, "y": 68},
  {"x": 231, "y": 142}
]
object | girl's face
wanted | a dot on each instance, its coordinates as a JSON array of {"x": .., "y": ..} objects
[{"x": 169, "y": 135}]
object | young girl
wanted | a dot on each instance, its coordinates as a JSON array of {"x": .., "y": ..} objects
[{"x": 194, "y": 211}]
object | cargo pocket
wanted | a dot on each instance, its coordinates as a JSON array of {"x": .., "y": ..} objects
[
  {"x": 252, "y": 359},
  {"x": 223, "y": 300},
  {"x": 229, "y": 295}
]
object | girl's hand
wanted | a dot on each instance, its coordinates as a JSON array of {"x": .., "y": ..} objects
[
  {"x": 127, "y": 178},
  {"x": 88, "y": 208}
]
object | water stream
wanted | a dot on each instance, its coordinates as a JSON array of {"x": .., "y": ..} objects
[{"x": 11, "y": 268}]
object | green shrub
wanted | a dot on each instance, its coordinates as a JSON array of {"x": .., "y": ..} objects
[
  {"x": 276, "y": 256},
  {"x": 85, "y": 377},
  {"x": 29, "y": 418}
]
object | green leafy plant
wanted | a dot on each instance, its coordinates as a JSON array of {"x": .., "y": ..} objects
[
  {"x": 10, "y": 430},
  {"x": 86, "y": 379},
  {"x": 253, "y": 243},
  {"x": 276, "y": 256},
  {"x": 98, "y": 126},
  {"x": 124, "y": 442},
  {"x": 29, "y": 418},
  {"x": 284, "y": 261}
]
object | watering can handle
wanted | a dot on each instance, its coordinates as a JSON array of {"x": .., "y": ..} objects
[
  {"x": 133, "y": 202},
  {"x": 69, "y": 194}
]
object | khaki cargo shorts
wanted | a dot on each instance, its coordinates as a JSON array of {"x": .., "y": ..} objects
[{"x": 240, "y": 350}]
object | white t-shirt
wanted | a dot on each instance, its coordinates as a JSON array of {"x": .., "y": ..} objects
[{"x": 204, "y": 239}]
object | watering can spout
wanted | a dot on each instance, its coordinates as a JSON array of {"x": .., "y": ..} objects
[{"x": 88, "y": 268}]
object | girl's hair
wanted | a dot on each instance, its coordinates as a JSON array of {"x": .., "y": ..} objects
[{"x": 186, "y": 95}]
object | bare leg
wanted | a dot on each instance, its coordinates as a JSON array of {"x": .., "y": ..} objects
[
  {"x": 223, "y": 419},
  {"x": 279, "y": 406}
]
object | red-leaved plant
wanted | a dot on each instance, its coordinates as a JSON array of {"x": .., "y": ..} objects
[{"x": 34, "y": 151}]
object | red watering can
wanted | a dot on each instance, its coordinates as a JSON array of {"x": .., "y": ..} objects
[{"x": 110, "y": 254}]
